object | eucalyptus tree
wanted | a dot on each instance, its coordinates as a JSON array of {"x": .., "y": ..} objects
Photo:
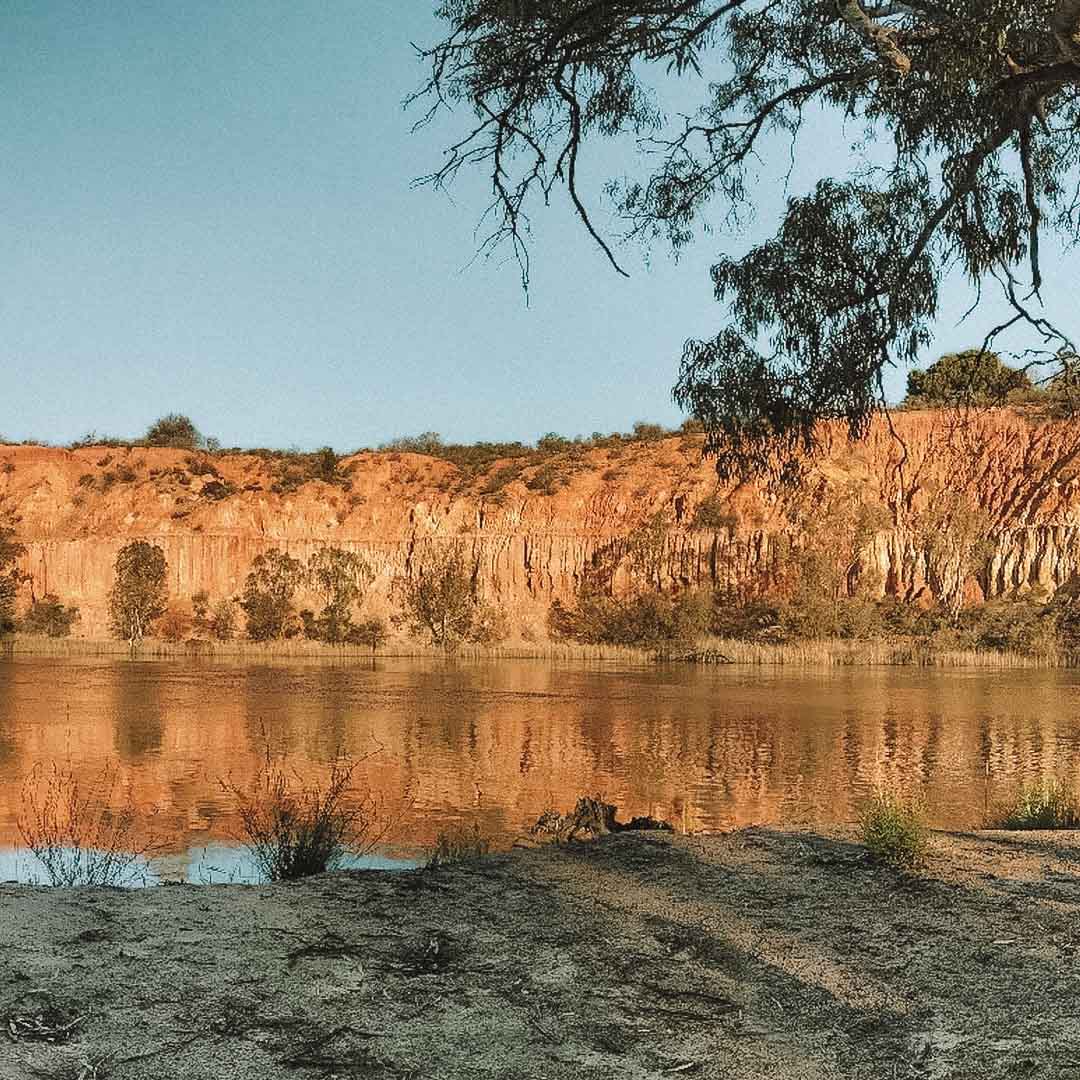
[
  {"x": 340, "y": 578},
  {"x": 968, "y": 114},
  {"x": 10, "y": 575},
  {"x": 140, "y": 593}
]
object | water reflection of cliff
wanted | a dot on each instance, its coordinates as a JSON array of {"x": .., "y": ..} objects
[{"x": 499, "y": 743}]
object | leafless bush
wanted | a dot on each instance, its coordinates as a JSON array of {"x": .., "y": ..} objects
[
  {"x": 82, "y": 837},
  {"x": 294, "y": 827}
]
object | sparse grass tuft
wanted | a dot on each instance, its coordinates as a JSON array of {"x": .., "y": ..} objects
[
  {"x": 459, "y": 845},
  {"x": 1049, "y": 805},
  {"x": 893, "y": 830},
  {"x": 294, "y": 828},
  {"x": 81, "y": 837}
]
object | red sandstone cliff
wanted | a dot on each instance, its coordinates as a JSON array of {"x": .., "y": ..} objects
[{"x": 530, "y": 547}]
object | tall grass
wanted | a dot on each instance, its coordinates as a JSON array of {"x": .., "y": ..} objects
[
  {"x": 1049, "y": 805},
  {"x": 884, "y": 653},
  {"x": 893, "y": 830},
  {"x": 299, "y": 648},
  {"x": 459, "y": 845},
  {"x": 82, "y": 837},
  {"x": 821, "y": 654},
  {"x": 294, "y": 827}
]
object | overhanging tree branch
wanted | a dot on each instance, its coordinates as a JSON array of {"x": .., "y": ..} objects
[{"x": 974, "y": 106}]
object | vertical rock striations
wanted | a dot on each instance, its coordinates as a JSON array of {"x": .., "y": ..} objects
[{"x": 75, "y": 508}]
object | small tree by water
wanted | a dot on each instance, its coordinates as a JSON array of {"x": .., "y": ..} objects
[
  {"x": 10, "y": 577},
  {"x": 340, "y": 578},
  {"x": 267, "y": 600},
  {"x": 139, "y": 594},
  {"x": 440, "y": 600}
]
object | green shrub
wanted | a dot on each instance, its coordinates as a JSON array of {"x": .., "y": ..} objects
[
  {"x": 428, "y": 443},
  {"x": 712, "y": 513},
  {"x": 893, "y": 830},
  {"x": 200, "y": 466},
  {"x": 501, "y": 477},
  {"x": 547, "y": 480},
  {"x": 294, "y": 469},
  {"x": 175, "y": 431},
  {"x": 222, "y": 620},
  {"x": 751, "y": 620},
  {"x": 489, "y": 625},
  {"x": 48, "y": 617},
  {"x": 644, "y": 432},
  {"x": 1020, "y": 626},
  {"x": 340, "y": 578},
  {"x": 216, "y": 490},
  {"x": 645, "y": 620},
  {"x": 371, "y": 632},
  {"x": 552, "y": 443},
  {"x": 971, "y": 377},
  {"x": 174, "y": 626},
  {"x": 200, "y": 607},
  {"x": 1049, "y": 805}
]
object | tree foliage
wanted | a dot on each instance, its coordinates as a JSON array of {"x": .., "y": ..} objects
[
  {"x": 267, "y": 600},
  {"x": 340, "y": 579},
  {"x": 967, "y": 115},
  {"x": 440, "y": 599},
  {"x": 49, "y": 617},
  {"x": 175, "y": 431},
  {"x": 971, "y": 377},
  {"x": 139, "y": 594},
  {"x": 10, "y": 576}
]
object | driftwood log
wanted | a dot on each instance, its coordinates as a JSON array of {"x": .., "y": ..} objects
[{"x": 589, "y": 819}]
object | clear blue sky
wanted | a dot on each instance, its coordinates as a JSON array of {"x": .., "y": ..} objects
[{"x": 206, "y": 208}]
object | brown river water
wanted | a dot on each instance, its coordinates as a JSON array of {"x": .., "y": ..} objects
[{"x": 498, "y": 743}]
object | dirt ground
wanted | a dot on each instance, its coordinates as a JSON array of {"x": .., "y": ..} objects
[{"x": 761, "y": 954}]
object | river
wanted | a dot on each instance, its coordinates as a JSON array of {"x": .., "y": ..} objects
[{"x": 497, "y": 743}]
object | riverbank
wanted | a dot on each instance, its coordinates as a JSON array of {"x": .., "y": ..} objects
[
  {"x": 826, "y": 653},
  {"x": 759, "y": 954},
  {"x": 302, "y": 648}
]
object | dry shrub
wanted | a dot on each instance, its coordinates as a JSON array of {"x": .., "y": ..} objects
[
  {"x": 174, "y": 625},
  {"x": 460, "y": 844},
  {"x": 295, "y": 827},
  {"x": 82, "y": 837},
  {"x": 490, "y": 625}
]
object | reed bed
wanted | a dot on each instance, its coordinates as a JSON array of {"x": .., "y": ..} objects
[
  {"x": 820, "y": 654},
  {"x": 27, "y": 645},
  {"x": 841, "y": 653}
]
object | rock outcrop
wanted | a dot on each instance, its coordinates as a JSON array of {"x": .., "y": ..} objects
[{"x": 531, "y": 543}]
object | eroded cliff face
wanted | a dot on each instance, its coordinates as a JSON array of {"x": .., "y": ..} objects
[{"x": 75, "y": 508}]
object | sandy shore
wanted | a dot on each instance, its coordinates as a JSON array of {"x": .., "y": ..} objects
[{"x": 759, "y": 954}]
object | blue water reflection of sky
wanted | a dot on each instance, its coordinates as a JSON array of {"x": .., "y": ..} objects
[{"x": 212, "y": 864}]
